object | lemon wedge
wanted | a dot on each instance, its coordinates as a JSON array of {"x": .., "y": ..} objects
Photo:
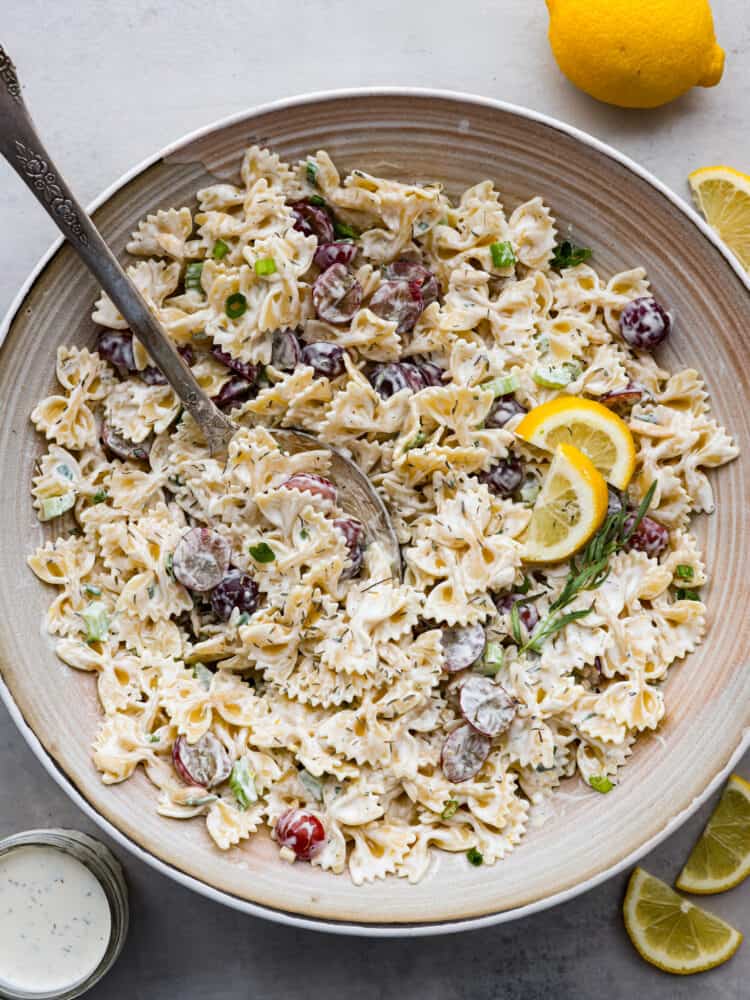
[
  {"x": 672, "y": 933},
  {"x": 723, "y": 196},
  {"x": 570, "y": 507},
  {"x": 595, "y": 430},
  {"x": 721, "y": 858}
]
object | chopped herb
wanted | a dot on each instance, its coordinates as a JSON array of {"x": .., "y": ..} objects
[
  {"x": 502, "y": 254},
  {"x": 492, "y": 660},
  {"x": 556, "y": 376},
  {"x": 153, "y": 737},
  {"x": 567, "y": 254},
  {"x": 515, "y": 625},
  {"x": 503, "y": 385},
  {"x": 550, "y": 625},
  {"x": 243, "y": 619},
  {"x": 193, "y": 276},
  {"x": 151, "y": 591},
  {"x": 311, "y": 784},
  {"x": 55, "y": 506},
  {"x": 524, "y": 587},
  {"x": 96, "y": 618},
  {"x": 220, "y": 250},
  {"x": 100, "y": 496},
  {"x": 311, "y": 169},
  {"x": 344, "y": 231},
  {"x": 169, "y": 565},
  {"x": 235, "y": 305},
  {"x": 92, "y": 590},
  {"x": 264, "y": 266},
  {"x": 242, "y": 783},
  {"x": 601, "y": 783},
  {"x": 262, "y": 552},
  {"x": 204, "y": 675},
  {"x": 688, "y": 595},
  {"x": 474, "y": 857},
  {"x": 415, "y": 442},
  {"x": 65, "y": 471},
  {"x": 304, "y": 534},
  {"x": 685, "y": 572},
  {"x": 315, "y": 199},
  {"x": 450, "y": 808}
]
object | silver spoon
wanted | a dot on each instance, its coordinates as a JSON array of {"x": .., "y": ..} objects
[{"x": 24, "y": 151}]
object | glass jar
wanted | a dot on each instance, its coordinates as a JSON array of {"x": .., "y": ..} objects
[{"x": 105, "y": 868}]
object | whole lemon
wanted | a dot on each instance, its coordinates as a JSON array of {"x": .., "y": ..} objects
[{"x": 635, "y": 53}]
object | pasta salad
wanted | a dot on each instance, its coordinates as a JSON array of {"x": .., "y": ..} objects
[{"x": 254, "y": 651}]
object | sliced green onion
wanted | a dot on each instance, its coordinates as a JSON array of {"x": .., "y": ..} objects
[
  {"x": 311, "y": 169},
  {"x": 204, "y": 675},
  {"x": 262, "y": 552},
  {"x": 556, "y": 376},
  {"x": 344, "y": 231},
  {"x": 100, "y": 496},
  {"x": 451, "y": 808},
  {"x": 601, "y": 783},
  {"x": 503, "y": 385},
  {"x": 220, "y": 250},
  {"x": 242, "y": 783},
  {"x": 55, "y": 506},
  {"x": 688, "y": 595},
  {"x": 235, "y": 305},
  {"x": 92, "y": 590},
  {"x": 193, "y": 276},
  {"x": 474, "y": 857},
  {"x": 316, "y": 200},
  {"x": 502, "y": 254},
  {"x": 685, "y": 572},
  {"x": 264, "y": 266},
  {"x": 492, "y": 661},
  {"x": 567, "y": 254},
  {"x": 96, "y": 619},
  {"x": 312, "y": 785}
]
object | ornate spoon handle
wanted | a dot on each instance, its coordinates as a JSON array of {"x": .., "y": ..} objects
[{"x": 23, "y": 149}]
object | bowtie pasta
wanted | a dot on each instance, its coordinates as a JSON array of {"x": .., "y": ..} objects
[{"x": 253, "y": 653}]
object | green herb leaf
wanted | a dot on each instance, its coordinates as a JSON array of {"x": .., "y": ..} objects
[
  {"x": 235, "y": 305},
  {"x": 311, "y": 169},
  {"x": 450, "y": 808},
  {"x": 415, "y": 442},
  {"x": 524, "y": 587},
  {"x": 55, "y": 506},
  {"x": 601, "y": 783},
  {"x": 262, "y": 553},
  {"x": 684, "y": 572},
  {"x": 344, "y": 231},
  {"x": 550, "y": 625},
  {"x": 688, "y": 595},
  {"x": 315, "y": 199},
  {"x": 474, "y": 857},
  {"x": 100, "y": 496},
  {"x": 515, "y": 625},
  {"x": 169, "y": 565},
  {"x": 242, "y": 783},
  {"x": 502, "y": 254},
  {"x": 220, "y": 250},
  {"x": 264, "y": 266},
  {"x": 567, "y": 254},
  {"x": 193, "y": 276},
  {"x": 96, "y": 619}
]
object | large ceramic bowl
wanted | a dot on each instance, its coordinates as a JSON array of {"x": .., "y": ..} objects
[{"x": 630, "y": 219}]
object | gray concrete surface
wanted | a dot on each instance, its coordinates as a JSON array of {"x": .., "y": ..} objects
[{"x": 110, "y": 83}]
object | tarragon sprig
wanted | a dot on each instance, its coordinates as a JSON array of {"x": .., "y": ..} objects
[{"x": 589, "y": 571}]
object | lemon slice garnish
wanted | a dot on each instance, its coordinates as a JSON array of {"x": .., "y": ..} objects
[
  {"x": 721, "y": 858},
  {"x": 570, "y": 507},
  {"x": 673, "y": 933},
  {"x": 595, "y": 430},
  {"x": 723, "y": 196}
]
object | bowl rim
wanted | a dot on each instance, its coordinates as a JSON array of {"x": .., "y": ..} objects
[{"x": 348, "y": 928}]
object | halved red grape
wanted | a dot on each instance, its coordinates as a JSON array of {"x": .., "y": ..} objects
[
  {"x": 431, "y": 373},
  {"x": 312, "y": 220},
  {"x": 302, "y": 831},
  {"x": 285, "y": 350},
  {"x": 463, "y": 753},
  {"x": 399, "y": 302},
  {"x": 308, "y": 482},
  {"x": 622, "y": 400},
  {"x": 462, "y": 646},
  {"x": 389, "y": 379},
  {"x": 232, "y": 393},
  {"x": 503, "y": 410},
  {"x": 201, "y": 559},
  {"x": 651, "y": 536},
  {"x": 325, "y": 359},
  {"x": 337, "y": 294},
  {"x": 236, "y": 590},
  {"x": 504, "y": 478},
  {"x": 205, "y": 762},
  {"x": 243, "y": 368},
  {"x": 354, "y": 535},
  {"x": 122, "y": 447},
  {"x": 340, "y": 252},
  {"x": 116, "y": 346},
  {"x": 486, "y": 706},
  {"x": 418, "y": 274},
  {"x": 527, "y": 613},
  {"x": 644, "y": 324},
  {"x": 152, "y": 375}
]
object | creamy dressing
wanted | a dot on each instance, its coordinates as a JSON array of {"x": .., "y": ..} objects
[{"x": 55, "y": 920}]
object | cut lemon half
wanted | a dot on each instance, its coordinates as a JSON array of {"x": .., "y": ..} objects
[
  {"x": 570, "y": 507},
  {"x": 723, "y": 196},
  {"x": 721, "y": 858},
  {"x": 672, "y": 933},
  {"x": 595, "y": 430}
]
